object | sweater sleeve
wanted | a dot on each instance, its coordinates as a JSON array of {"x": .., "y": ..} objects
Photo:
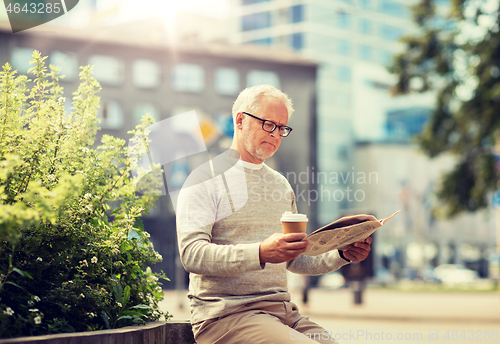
[
  {"x": 199, "y": 207},
  {"x": 316, "y": 265}
]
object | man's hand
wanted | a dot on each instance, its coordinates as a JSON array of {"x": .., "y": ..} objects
[
  {"x": 358, "y": 251},
  {"x": 279, "y": 248}
]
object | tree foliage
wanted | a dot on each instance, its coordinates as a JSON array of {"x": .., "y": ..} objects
[
  {"x": 456, "y": 53},
  {"x": 74, "y": 255}
]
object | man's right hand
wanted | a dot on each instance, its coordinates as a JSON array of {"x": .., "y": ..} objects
[{"x": 279, "y": 248}]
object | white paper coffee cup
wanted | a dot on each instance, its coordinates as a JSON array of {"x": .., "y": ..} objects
[{"x": 294, "y": 223}]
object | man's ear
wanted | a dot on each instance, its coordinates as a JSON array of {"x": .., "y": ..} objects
[{"x": 239, "y": 120}]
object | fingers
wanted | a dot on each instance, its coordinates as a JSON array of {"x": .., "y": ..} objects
[
  {"x": 294, "y": 236},
  {"x": 354, "y": 256},
  {"x": 361, "y": 245},
  {"x": 293, "y": 242},
  {"x": 298, "y": 245},
  {"x": 358, "y": 251},
  {"x": 279, "y": 248}
]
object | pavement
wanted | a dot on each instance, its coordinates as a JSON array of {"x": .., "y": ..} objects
[{"x": 379, "y": 304}]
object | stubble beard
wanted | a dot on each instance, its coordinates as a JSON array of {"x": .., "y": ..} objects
[{"x": 256, "y": 151}]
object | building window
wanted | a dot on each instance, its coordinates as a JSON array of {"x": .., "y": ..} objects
[
  {"x": 296, "y": 14},
  {"x": 251, "y": 2},
  {"x": 20, "y": 59},
  {"x": 344, "y": 73},
  {"x": 365, "y": 26},
  {"x": 297, "y": 41},
  {"x": 68, "y": 63},
  {"x": 321, "y": 43},
  {"x": 146, "y": 74},
  {"x": 107, "y": 69},
  {"x": 365, "y": 52},
  {"x": 390, "y": 33},
  {"x": 146, "y": 108},
  {"x": 342, "y": 99},
  {"x": 442, "y": 24},
  {"x": 263, "y": 41},
  {"x": 385, "y": 57},
  {"x": 111, "y": 115},
  {"x": 227, "y": 81},
  {"x": 261, "y": 77},
  {"x": 343, "y": 20},
  {"x": 188, "y": 77},
  {"x": 344, "y": 47},
  {"x": 256, "y": 21},
  {"x": 342, "y": 152},
  {"x": 393, "y": 8}
]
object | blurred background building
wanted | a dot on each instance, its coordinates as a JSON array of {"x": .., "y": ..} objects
[
  {"x": 347, "y": 126},
  {"x": 363, "y": 131}
]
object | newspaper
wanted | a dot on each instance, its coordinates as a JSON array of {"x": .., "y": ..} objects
[{"x": 340, "y": 234}]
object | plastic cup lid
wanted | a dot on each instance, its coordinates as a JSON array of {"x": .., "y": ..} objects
[{"x": 288, "y": 216}]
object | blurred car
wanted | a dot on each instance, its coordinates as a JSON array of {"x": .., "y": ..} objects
[
  {"x": 332, "y": 280},
  {"x": 453, "y": 274}
]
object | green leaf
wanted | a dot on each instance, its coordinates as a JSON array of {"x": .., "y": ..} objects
[
  {"x": 138, "y": 314},
  {"x": 118, "y": 291},
  {"x": 125, "y": 246},
  {"x": 139, "y": 224},
  {"x": 16, "y": 285},
  {"x": 126, "y": 295},
  {"x": 127, "y": 317},
  {"x": 105, "y": 317},
  {"x": 22, "y": 273}
]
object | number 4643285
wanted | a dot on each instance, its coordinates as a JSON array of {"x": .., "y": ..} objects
[
  {"x": 472, "y": 335},
  {"x": 34, "y": 8}
]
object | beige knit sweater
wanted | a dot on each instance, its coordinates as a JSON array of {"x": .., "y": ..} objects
[{"x": 221, "y": 221}]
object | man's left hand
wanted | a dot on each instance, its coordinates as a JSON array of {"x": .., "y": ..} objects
[{"x": 358, "y": 251}]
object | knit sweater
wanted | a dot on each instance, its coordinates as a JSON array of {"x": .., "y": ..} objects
[{"x": 221, "y": 220}]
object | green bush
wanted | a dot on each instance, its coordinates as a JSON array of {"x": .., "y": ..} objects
[{"x": 74, "y": 255}]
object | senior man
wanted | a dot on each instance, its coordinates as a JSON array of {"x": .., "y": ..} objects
[{"x": 231, "y": 241}]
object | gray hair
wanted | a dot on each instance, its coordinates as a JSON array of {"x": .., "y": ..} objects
[{"x": 249, "y": 99}]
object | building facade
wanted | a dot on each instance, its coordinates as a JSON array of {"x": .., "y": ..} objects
[
  {"x": 340, "y": 35},
  {"x": 363, "y": 131}
]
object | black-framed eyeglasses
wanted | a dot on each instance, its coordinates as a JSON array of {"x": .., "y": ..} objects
[{"x": 270, "y": 126}]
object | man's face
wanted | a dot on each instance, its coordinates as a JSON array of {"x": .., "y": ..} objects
[{"x": 256, "y": 145}]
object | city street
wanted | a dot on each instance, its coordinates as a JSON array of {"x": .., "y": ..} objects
[
  {"x": 382, "y": 331},
  {"x": 391, "y": 316}
]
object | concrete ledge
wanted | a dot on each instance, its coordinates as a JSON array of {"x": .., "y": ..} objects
[{"x": 159, "y": 332}]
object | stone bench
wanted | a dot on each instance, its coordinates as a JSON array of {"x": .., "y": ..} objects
[{"x": 159, "y": 332}]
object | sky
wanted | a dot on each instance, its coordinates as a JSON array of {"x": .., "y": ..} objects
[
  {"x": 132, "y": 10},
  {"x": 212, "y": 8}
]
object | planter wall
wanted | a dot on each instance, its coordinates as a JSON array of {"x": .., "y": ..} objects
[{"x": 160, "y": 332}]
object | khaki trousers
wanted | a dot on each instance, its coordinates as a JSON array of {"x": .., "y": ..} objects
[{"x": 263, "y": 322}]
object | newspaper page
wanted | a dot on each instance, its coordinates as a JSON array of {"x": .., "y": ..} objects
[{"x": 339, "y": 238}]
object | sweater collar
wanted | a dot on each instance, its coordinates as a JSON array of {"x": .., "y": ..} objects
[{"x": 252, "y": 166}]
